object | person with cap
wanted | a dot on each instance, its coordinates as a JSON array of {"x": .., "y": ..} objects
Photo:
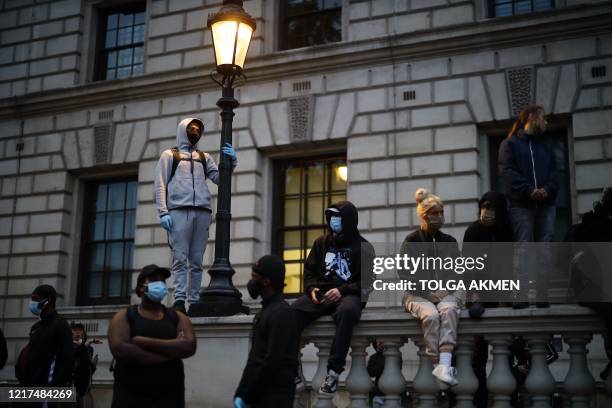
[
  {"x": 437, "y": 311},
  {"x": 184, "y": 206},
  {"x": 268, "y": 377},
  {"x": 48, "y": 358},
  {"x": 85, "y": 364},
  {"x": 148, "y": 342},
  {"x": 333, "y": 284}
]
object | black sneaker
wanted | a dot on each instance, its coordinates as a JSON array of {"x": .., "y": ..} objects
[
  {"x": 330, "y": 384},
  {"x": 179, "y": 306}
]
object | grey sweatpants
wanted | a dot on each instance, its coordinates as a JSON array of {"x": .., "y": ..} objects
[
  {"x": 188, "y": 239},
  {"x": 438, "y": 322}
]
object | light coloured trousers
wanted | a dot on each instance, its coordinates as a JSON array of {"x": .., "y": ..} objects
[
  {"x": 188, "y": 239},
  {"x": 438, "y": 321}
]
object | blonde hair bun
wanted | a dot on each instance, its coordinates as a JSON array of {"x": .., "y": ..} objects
[{"x": 420, "y": 195}]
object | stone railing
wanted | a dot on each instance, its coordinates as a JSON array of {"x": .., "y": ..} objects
[{"x": 575, "y": 324}]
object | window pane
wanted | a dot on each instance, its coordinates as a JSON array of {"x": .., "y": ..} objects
[
  {"x": 338, "y": 197},
  {"x": 96, "y": 256},
  {"x": 522, "y": 7},
  {"x": 293, "y": 277},
  {"x": 114, "y": 225},
  {"x": 111, "y": 59},
  {"x": 292, "y": 180},
  {"x": 139, "y": 18},
  {"x": 114, "y": 283},
  {"x": 94, "y": 289},
  {"x": 111, "y": 39},
  {"x": 502, "y": 10},
  {"x": 292, "y": 212},
  {"x": 315, "y": 210},
  {"x": 126, "y": 19},
  {"x": 125, "y": 57},
  {"x": 333, "y": 4},
  {"x": 97, "y": 227},
  {"x": 130, "y": 224},
  {"x": 132, "y": 191},
  {"x": 139, "y": 31},
  {"x": 293, "y": 249},
  {"x": 116, "y": 196},
  {"x": 542, "y": 5},
  {"x": 101, "y": 197},
  {"x": 128, "y": 256},
  {"x": 124, "y": 36},
  {"x": 137, "y": 69},
  {"x": 114, "y": 257},
  {"x": 111, "y": 74},
  {"x": 312, "y": 235},
  {"x": 111, "y": 21},
  {"x": 315, "y": 178},
  {"x": 339, "y": 175},
  {"x": 137, "y": 55},
  {"x": 123, "y": 72}
]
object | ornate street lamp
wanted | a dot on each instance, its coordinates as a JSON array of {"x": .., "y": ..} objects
[{"x": 232, "y": 29}]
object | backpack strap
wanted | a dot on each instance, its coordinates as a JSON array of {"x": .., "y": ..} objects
[
  {"x": 176, "y": 158},
  {"x": 203, "y": 160}
]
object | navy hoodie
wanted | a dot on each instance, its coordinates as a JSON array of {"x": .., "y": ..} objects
[{"x": 526, "y": 163}]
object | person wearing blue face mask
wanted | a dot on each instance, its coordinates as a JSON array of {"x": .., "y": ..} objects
[
  {"x": 333, "y": 284},
  {"x": 148, "y": 342},
  {"x": 48, "y": 358}
]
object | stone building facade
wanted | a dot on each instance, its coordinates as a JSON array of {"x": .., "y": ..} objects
[{"x": 416, "y": 94}]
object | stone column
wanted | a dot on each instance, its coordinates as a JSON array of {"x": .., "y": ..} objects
[
  {"x": 424, "y": 382},
  {"x": 392, "y": 382},
  {"x": 500, "y": 383},
  {"x": 540, "y": 383},
  {"x": 579, "y": 383},
  {"x": 468, "y": 383},
  {"x": 321, "y": 400},
  {"x": 358, "y": 382}
]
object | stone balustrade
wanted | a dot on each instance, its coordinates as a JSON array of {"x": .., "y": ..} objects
[{"x": 576, "y": 325}]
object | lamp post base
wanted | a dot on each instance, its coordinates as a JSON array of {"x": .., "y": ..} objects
[{"x": 211, "y": 306}]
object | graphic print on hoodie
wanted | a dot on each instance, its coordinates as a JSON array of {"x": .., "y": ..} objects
[
  {"x": 338, "y": 262},
  {"x": 188, "y": 186}
]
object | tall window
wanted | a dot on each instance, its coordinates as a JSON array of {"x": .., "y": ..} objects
[
  {"x": 304, "y": 188},
  {"x": 310, "y": 22},
  {"x": 108, "y": 241},
  {"x": 121, "y": 42},
  {"x": 502, "y": 8}
]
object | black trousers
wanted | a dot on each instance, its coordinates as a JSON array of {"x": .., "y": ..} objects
[
  {"x": 346, "y": 314},
  {"x": 276, "y": 401}
]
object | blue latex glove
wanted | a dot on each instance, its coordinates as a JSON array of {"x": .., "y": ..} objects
[
  {"x": 229, "y": 150},
  {"x": 239, "y": 403},
  {"x": 166, "y": 222}
]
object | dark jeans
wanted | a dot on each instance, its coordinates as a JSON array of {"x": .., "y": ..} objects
[
  {"x": 275, "y": 400},
  {"x": 533, "y": 263},
  {"x": 346, "y": 314}
]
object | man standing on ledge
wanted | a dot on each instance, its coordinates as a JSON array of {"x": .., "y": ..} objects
[{"x": 183, "y": 203}]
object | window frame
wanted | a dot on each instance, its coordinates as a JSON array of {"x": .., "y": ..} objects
[
  {"x": 99, "y": 58},
  {"x": 491, "y": 8},
  {"x": 83, "y": 299},
  {"x": 282, "y": 36},
  {"x": 278, "y": 211}
]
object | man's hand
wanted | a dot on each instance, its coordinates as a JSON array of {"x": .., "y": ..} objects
[
  {"x": 539, "y": 194},
  {"x": 229, "y": 150},
  {"x": 166, "y": 222},
  {"x": 313, "y": 296},
  {"x": 332, "y": 296},
  {"x": 239, "y": 403}
]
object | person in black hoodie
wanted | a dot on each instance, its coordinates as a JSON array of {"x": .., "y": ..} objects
[
  {"x": 333, "y": 284},
  {"x": 268, "y": 377},
  {"x": 492, "y": 225},
  {"x": 48, "y": 358},
  {"x": 438, "y": 312}
]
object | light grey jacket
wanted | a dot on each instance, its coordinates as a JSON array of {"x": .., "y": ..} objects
[{"x": 188, "y": 186}]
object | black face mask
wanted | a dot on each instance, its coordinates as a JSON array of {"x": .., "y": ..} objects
[
  {"x": 254, "y": 286},
  {"x": 193, "y": 138}
]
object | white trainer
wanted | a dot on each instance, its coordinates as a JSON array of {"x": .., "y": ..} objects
[{"x": 446, "y": 375}]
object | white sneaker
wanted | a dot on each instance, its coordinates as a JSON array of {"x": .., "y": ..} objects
[{"x": 446, "y": 375}]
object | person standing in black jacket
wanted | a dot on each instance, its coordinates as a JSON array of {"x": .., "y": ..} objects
[
  {"x": 333, "y": 284},
  {"x": 3, "y": 350},
  {"x": 48, "y": 358},
  {"x": 268, "y": 377}
]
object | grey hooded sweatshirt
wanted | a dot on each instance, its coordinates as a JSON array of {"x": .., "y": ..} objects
[{"x": 188, "y": 186}]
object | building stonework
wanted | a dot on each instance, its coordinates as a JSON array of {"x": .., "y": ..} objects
[{"x": 411, "y": 96}]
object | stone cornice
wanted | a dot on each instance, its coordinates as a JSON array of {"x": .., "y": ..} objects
[{"x": 487, "y": 34}]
